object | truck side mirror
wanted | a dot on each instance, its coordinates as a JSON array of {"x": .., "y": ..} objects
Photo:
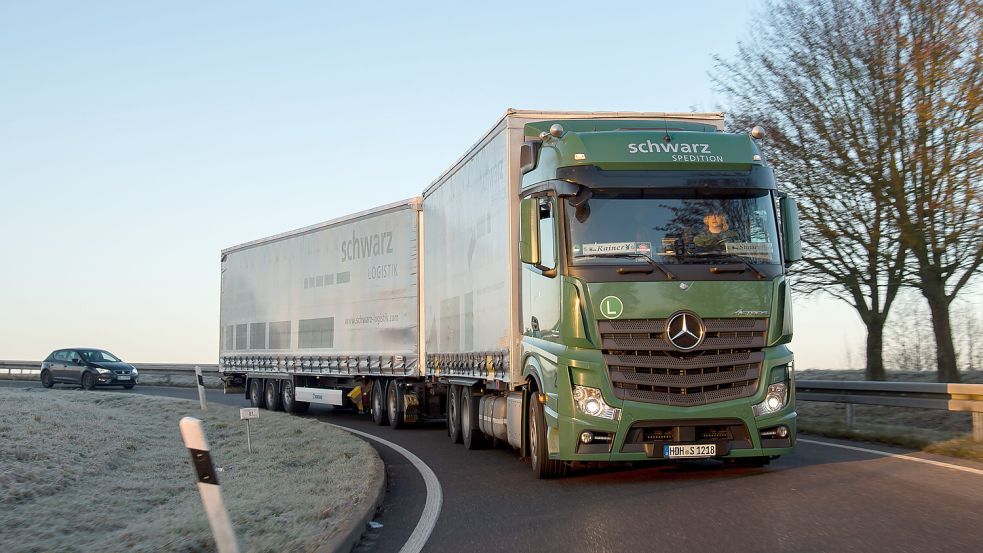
[
  {"x": 792, "y": 244},
  {"x": 529, "y": 231}
]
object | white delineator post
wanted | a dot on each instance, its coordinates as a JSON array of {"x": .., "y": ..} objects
[
  {"x": 201, "y": 388},
  {"x": 211, "y": 494}
]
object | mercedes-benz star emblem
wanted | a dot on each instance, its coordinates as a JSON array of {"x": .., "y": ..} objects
[{"x": 685, "y": 331}]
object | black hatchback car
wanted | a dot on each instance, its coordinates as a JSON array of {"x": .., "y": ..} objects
[{"x": 88, "y": 368}]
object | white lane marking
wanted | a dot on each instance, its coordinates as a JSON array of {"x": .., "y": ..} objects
[
  {"x": 435, "y": 496},
  {"x": 896, "y": 456}
]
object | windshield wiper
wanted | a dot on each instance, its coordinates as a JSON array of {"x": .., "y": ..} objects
[
  {"x": 758, "y": 273},
  {"x": 648, "y": 258}
]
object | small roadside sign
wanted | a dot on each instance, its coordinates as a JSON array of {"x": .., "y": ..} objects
[{"x": 248, "y": 413}]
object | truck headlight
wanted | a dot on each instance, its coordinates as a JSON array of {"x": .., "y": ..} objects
[
  {"x": 774, "y": 401},
  {"x": 589, "y": 401}
]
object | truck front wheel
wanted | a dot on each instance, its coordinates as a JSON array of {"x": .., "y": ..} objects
[{"x": 542, "y": 465}]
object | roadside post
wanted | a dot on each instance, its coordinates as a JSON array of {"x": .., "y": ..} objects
[
  {"x": 211, "y": 494},
  {"x": 245, "y": 414},
  {"x": 201, "y": 388}
]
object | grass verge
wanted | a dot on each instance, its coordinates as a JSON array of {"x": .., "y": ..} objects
[{"x": 105, "y": 471}]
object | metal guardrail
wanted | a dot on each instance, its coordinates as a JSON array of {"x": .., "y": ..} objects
[
  {"x": 917, "y": 395},
  {"x": 32, "y": 369}
]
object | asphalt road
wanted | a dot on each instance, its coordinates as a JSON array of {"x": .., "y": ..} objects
[{"x": 822, "y": 498}]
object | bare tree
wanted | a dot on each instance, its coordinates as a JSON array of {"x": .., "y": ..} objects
[
  {"x": 874, "y": 109},
  {"x": 933, "y": 69},
  {"x": 811, "y": 76}
]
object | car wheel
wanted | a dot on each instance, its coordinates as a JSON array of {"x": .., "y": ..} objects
[
  {"x": 256, "y": 397},
  {"x": 394, "y": 404},
  {"x": 471, "y": 435},
  {"x": 46, "y": 379},
  {"x": 88, "y": 381},
  {"x": 542, "y": 465},
  {"x": 273, "y": 402},
  {"x": 379, "y": 415},
  {"x": 454, "y": 413},
  {"x": 128, "y": 386}
]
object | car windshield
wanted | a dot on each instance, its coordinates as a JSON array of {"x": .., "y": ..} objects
[
  {"x": 98, "y": 356},
  {"x": 680, "y": 226}
]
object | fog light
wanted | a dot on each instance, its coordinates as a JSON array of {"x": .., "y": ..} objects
[
  {"x": 586, "y": 437},
  {"x": 782, "y": 431}
]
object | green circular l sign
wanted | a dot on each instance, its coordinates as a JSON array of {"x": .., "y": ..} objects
[{"x": 611, "y": 307}]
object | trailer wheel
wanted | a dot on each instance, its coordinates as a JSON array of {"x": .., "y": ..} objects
[
  {"x": 273, "y": 402},
  {"x": 290, "y": 403},
  {"x": 256, "y": 397},
  {"x": 454, "y": 413},
  {"x": 379, "y": 403},
  {"x": 542, "y": 465},
  {"x": 394, "y": 404},
  {"x": 471, "y": 434}
]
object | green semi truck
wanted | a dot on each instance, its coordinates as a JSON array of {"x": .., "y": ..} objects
[{"x": 587, "y": 287}]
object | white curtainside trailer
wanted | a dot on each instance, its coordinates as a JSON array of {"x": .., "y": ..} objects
[{"x": 338, "y": 299}]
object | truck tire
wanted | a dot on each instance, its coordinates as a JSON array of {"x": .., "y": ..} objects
[
  {"x": 394, "y": 405},
  {"x": 273, "y": 402},
  {"x": 471, "y": 435},
  {"x": 542, "y": 465},
  {"x": 290, "y": 403},
  {"x": 379, "y": 415},
  {"x": 454, "y": 413},
  {"x": 46, "y": 379},
  {"x": 256, "y": 396}
]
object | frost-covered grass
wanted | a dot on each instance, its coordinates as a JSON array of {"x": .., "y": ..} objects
[
  {"x": 105, "y": 471},
  {"x": 934, "y": 430}
]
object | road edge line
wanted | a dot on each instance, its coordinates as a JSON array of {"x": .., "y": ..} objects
[
  {"x": 435, "y": 495},
  {"x": 903, "y": 456}
]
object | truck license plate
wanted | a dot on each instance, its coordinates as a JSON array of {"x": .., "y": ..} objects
[{"x": 690, "y": 451}]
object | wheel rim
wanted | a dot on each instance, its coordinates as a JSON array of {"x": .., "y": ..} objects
[
  {"x": 254, "y": 392},
  {"x": 466, "y": 417},
  {"x": 288, "y": 395},
  {"x": 46, "y": 378},
  {"x": 376, "y": 400}
]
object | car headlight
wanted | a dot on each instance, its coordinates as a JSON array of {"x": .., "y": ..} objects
[
  {"x": 589, "y": 401},
  {"x": 101, "y": 370},
  {"x": 135, "y": 372},
  {"x": 774, "y": 401}
]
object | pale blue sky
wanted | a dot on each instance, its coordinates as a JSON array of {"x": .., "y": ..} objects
[{"x": 137, "y": 139}]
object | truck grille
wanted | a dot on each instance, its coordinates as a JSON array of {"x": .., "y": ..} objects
[{"x": 644, "y": 366}]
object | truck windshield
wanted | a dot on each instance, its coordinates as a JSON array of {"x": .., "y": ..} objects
[{"x": 674, "y": 226}]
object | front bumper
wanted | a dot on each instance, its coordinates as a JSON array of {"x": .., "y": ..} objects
[
  {"x": 115, "y": 380},
  {"x": 644, "y": 429}
]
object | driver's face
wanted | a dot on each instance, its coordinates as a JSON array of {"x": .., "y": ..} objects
[{"x": 715, "y": 222}]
